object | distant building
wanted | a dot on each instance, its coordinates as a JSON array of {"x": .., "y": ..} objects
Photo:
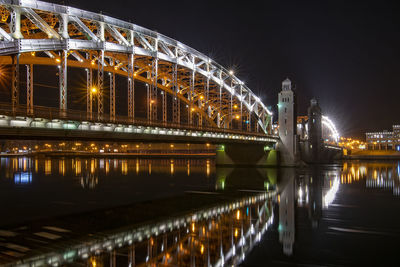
[{"x": 384, "y": 140}]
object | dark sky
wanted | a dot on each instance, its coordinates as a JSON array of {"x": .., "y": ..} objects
[{"x": 344, "y": 53}]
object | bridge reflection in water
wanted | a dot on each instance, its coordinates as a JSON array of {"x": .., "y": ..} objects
[
  {"x": 219, "y": 235},
  {"x": 217, "y": 217},
  {"x": 212, "y": 225}
]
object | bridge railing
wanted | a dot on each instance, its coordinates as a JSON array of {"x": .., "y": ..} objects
[{"x": 50, "y": 113}]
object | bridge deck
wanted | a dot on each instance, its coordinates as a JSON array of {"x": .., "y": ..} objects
[{"x": 48, "y": 123}]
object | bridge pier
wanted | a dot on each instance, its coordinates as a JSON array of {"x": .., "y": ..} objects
[{"x": 261, "y": 155}]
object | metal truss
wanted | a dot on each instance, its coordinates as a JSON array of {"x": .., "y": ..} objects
[
  {"x": 112, "y": 96},
  {"x": 100, "y": 84},
  {"x": 29, "y": 89},
  {"x": 131, "y": 92},
  {"x": 208, "y": 89},
  {"x": 175, "y": 100},
  {"x": 89, "y": 85},
  {"x": 15, "y": 81},
  {"x": 153, "y": 90},
  {"x": 63, "y": 81}
]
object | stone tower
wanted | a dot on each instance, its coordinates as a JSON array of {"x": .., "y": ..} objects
[
  {"x": 314, "y": 124},
  {"x": 287, "y": 119}
]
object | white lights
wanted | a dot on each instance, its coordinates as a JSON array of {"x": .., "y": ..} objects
[
  {"x": 330, "y": 195},
  {"x": 26, "y": 122},
  {"x": 332, "y": 128},
  {"x": 145, "y": 43}
]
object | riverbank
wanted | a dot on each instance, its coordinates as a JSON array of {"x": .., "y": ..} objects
[
  {"x": 373, "y": 155},
  {"x": 110, "y": 155}
]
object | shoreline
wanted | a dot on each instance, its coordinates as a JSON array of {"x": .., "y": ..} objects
[{"x": 111, "y": 155}]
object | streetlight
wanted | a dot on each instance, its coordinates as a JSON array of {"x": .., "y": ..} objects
[{"x": 93, "y": 91}]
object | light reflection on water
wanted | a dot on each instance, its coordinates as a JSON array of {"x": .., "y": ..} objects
[
  {"x": 215, "y": 236},
  {"x": 89, "y": 169},
  {"x": 329, "y": 202},
  {"x": 221, "y": 237}
]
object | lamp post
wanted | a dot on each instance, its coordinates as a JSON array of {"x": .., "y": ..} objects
[{"x": 93, "y": 92}]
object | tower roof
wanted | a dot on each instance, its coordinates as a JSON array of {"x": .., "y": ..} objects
[
  {"x": 314, "y": 101},
  {"x": 287, "y": 84}
]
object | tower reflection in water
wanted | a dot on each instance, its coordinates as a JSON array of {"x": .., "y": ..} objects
[
  {"x": 315, "y": 189},
  {"x": 214, "y": 236}
]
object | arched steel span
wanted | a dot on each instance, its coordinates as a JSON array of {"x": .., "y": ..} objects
[
  {"x": 36, "y": 32},
  {"x": 334, "y": 134}
]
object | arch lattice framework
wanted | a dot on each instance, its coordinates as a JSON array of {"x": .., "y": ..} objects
[{"x": 40, "y": 33}]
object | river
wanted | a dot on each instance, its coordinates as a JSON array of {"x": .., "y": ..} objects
[{"x": 186, "y": 212}]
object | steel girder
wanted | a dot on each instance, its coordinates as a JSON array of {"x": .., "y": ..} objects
[
  {"x": 89, "y": 85},
  {"x": 63, "y": 81},
  {"x": 90, "y": 66},
  {"x": 81, "y": 30},
  {"x": 15, "y": 81},
  {"x": 29, "y": 89}
]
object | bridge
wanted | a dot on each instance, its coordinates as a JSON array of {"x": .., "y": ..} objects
[
  {"x": 199, "y": 90},
  {"x": 173, "y": 92},
  {"x": 163, "y": 90}
]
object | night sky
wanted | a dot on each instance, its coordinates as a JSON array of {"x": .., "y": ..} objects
[{"x": 344, "y": 54}]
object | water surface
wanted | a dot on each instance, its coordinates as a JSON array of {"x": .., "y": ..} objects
[
  {"x": 335, "y": 216},
  {"x": 187, "y": 212}
]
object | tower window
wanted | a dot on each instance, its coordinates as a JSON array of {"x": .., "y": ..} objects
[{"x": 285, "y": 110}]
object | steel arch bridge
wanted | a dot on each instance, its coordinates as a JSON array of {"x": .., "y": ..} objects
[{"x": 202, "y": 92}]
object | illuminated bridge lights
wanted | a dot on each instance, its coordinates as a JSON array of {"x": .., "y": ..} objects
[
  {"x": 41, "y": 35},
  {"x": 332, "y": 128},
  {"x": 41, "y": 123}
]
